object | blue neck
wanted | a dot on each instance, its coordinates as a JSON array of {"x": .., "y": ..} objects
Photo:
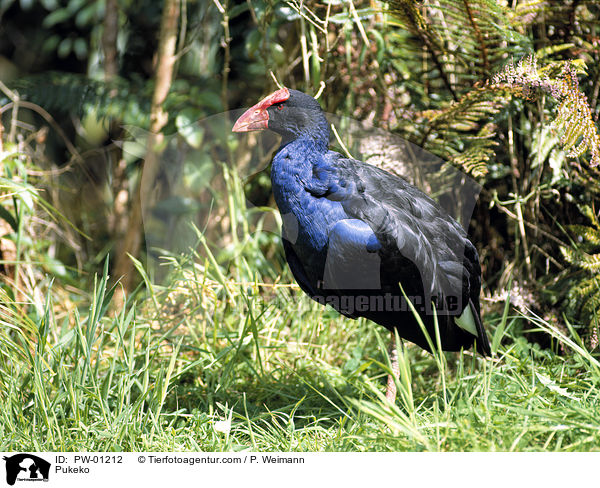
[
  {"x": 292, "y": 170},
  {"x": 295, "y": 178}
]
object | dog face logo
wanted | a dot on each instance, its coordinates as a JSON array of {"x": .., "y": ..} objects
[{"x": 26, "y": 466}]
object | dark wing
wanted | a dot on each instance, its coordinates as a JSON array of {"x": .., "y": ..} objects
[{"x": 410, "y": 227}]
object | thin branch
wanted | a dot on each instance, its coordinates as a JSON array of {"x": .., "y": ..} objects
[
  {"x": 513, "y": 216},
  {"x": 164, "y": 71},
  {"x": 226, "y": 40},
  {"x": 13, "y": 121},
  {"x": 300, "y": 11},
  {"x": 358, "y": 23},
  {"x": 109, "y": 40},
  {"x": 341, "y": 143},
  {"x": 48, "y": 118}
]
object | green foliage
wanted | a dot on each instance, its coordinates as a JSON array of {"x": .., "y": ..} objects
[
  {"x": 460, "y": 44},
  {"x": 463, "y": 43},
  {"x": 465, "y": 39},
  {"x": 222, "y": 351},
  {"x": 476, "y": 157},
  {"x": 573, "y": 120},
  {"x": 463, "y": 119},
  {"x": 28, "y": 253},
  {"x": 584, "y": 292},
  {"x": 72, "y": 93},
  {"x": 212, "y": 361},
  {"x": 513, "y": 125}
]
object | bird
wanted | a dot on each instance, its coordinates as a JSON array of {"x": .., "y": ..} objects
[{"x": 365, "y": 241}]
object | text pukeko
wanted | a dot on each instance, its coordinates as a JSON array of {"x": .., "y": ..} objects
[{"x": 353, "y": 233}]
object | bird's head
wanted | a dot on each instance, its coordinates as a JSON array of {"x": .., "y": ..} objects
[{"x": 291, "y": 113}]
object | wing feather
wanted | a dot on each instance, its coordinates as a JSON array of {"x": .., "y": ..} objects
[{"x": 410, "y": 226}]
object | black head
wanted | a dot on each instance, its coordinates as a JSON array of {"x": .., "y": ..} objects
[{"x": 291, "y": 113}]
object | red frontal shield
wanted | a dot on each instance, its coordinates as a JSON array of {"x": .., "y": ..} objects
[{"x": 257, "y": 117}]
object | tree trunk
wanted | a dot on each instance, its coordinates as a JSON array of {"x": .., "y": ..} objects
[
  {"x": 118, "y": 220},
  {"x": 165, "y": 61},
  {"x": 109, "y": 39}
]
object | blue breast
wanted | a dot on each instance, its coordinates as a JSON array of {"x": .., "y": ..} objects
[{"x": 300, "y": 178}]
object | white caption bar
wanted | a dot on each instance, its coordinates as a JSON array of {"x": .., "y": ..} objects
[{"x": 302, "y": 470}]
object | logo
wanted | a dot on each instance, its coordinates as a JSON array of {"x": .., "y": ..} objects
[{"x": 26, "y": 467}]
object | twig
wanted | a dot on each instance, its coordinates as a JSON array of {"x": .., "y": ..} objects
[
  {"x": 14, "y": 117},
  {"x": 326, "y": 24},
  {"x": 252, "y": 12},
  {"x": 337, "y": 136},
  {"x": 48, "y": 118},
  {"x": 550, "y": 258},
  {"x": 183, "y": 29},
  {"x": 7, "y": 91},
  {"x": 110, "y": 33},
  {"x": 528, "y": 224},
  {"x": 279, "y": 85},
  {"x": 227, "y": 54},
  {"x": 321, "y": 88},
  {"x": 361, "y": 29},
  {"x": 300, "y": 11},
  {"x": 182, "y": 49},
  {"x": 304, "y": 47}
]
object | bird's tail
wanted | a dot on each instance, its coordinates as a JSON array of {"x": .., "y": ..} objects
[{"x": 483, "y": 343}]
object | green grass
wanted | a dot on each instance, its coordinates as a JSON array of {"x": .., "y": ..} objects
[
  {"x": 227, "y": 354},
  {"x": 216, "y": 364}
]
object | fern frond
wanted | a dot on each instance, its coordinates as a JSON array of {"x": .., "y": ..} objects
[
  {"x": 461, "y": 42},
  {"x": 584, "y": 298},
  {"x": 407, "y": 12},
  {"x": 590, "y": 235},
  {"x": 586, "y": 287},
  {"x": 477, "y": 104},
  {"x": 466, "y": 33},
  {"x": 591, "y": 305},
  {"x": 459, "y": 120},
  {"x": 77, "y": 94},
  {"x": 590, "y": 215},
  {"x": 589, "y": 262},
  {"x": 526, "y": 12},
  {"x": 584, "y": 292},
  {"x": 475, "y": 159},
  {"x": 573, "y": 121}
]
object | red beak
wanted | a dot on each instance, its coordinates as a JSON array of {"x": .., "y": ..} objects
[{"x": 257, "y": 117}]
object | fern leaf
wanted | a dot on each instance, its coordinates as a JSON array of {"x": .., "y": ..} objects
[
  {"x": 590, "y": 235},
  {"x": 573, "y": 121},
  {"x": 589, "y": 262}
]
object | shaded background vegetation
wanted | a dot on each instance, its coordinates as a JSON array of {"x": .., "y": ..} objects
[{"x": 94, "y": 94}]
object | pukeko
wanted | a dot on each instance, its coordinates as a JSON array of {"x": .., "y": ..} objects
[{"x": 365, "y": 241}]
